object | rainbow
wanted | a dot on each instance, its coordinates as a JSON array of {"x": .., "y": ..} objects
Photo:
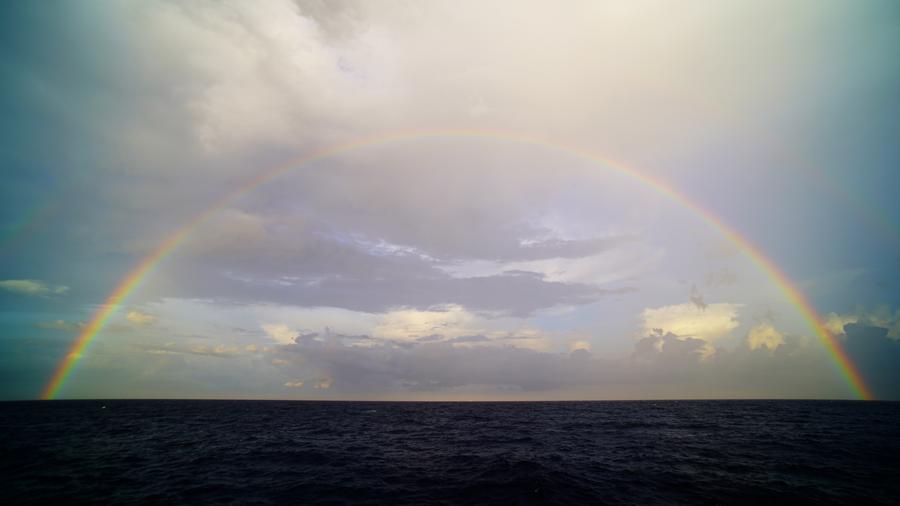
[{"x": 134, "y": 278}]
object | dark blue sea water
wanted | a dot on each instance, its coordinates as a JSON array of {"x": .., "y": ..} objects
[{"x": 259, "y": 452}]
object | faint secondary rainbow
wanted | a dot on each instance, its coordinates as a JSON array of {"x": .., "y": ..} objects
[{"x": 134, "y": 278}]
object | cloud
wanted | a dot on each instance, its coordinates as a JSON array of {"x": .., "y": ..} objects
[
  {"x": 138, "y": 318},
  {"x": 306, "y": 265},
  {"x": 608, "y": 266},
  {"x": 764, "y": 335},
  {"x": 835, "y": 322},
  {"x": 710, "y": 323},
  {"x": 660, "y": 365},
  {"x": 459, "y": 253},
  {"x": 446, "y": 323},
  {"x": 441, "y": 368},
  {"x": 495, "y": 364},
  {"x": 61, "y": 325},
  {"x": 219, "y": 350},
  {"x": 670, "y": 350},
  {"x": 881, "y": 316},
  {"x": 411, "y": 324},
  {"x": 697, "y": 297},
  {"x": 32, "y": 287},
  {"x": 280, "y": 333},
  {"x": 293, "y": 384},
  {"x": 173, "y": 348},
  {"x": 579, "y": 345}
]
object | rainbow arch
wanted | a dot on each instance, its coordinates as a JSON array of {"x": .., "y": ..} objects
[{"x": 134, "y": 278}]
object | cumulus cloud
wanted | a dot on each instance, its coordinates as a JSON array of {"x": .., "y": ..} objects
[
  {"x": 323, "y": 383},
  {"x": 671, "y": 350},
  {"x": 436, "y": 366},
  {"x": 138, "y": 318},
  {"x": 764, "y": 335},
  {"x": 881, "y": 316},
  {"x": 657, "y": 363},
  {"x": 451, "y": 324},
  {"x": 835, "y": 322},
  {"x": 580, "y": 345},
  {"x": 709, "y": 323},
  {"x": 220, "y": 350},
  {"x": 410, "y": 324},
  {"x": 280, "y": 333},
  {"x": 32, "y": 287}
]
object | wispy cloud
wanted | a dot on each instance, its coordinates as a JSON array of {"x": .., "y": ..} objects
[
  {"x": 60, "y": 325},
  {"x": 32, "y": 287}
]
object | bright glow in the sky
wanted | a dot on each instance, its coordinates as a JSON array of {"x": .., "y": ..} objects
[{"x": 449, "y": 200}]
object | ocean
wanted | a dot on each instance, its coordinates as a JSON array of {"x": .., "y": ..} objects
[{"x": 282, "y": 452}]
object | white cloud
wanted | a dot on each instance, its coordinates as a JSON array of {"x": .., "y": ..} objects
[
  {"x": 138, "y": 318},
  {"x": 710, "y": 324},
  {"x": 408, "y": 324},
  {"x": 223, "y": 349},
  {"x": 280, "y": 333},
  {"x": 451, "y": 323},
  {"x": 219, "y": 350},
  {"x": 261, "y": 73},
  {"x": 32, "y": 287},
  {"x": 835, "y": 322},
  {"x": 580, "y": 345},
  {"x": 293, "y": 384},
  {"x": 764, "y": 335}
]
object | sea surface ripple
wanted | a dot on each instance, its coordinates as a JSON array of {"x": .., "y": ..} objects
[{"x": 617, "y": 452}]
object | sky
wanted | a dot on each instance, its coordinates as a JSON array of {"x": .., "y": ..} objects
[{"x": 505, "y": 200}]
